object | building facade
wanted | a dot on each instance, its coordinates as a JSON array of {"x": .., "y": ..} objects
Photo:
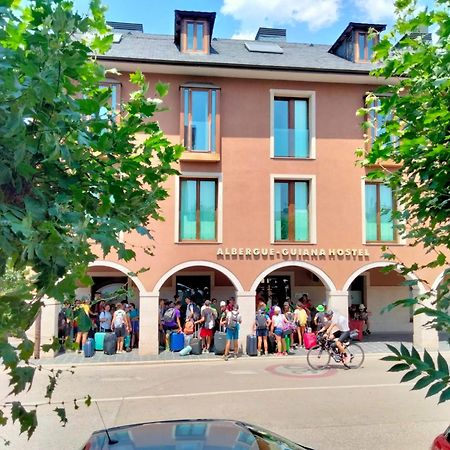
[{"x": 269, "y": 199}]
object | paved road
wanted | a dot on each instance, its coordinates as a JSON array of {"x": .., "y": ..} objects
[{"x": 337, "y": 409}]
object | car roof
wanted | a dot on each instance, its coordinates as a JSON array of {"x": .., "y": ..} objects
[{"x": 204, "y": 434}]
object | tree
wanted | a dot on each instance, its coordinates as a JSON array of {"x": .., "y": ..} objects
[
  {"x": 72, "y": 175},
  {"x": 412, "y": 117}
]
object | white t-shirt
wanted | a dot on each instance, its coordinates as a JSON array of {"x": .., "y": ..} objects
[
  {"x": 340, "y": 321},
  {"x": 278, "y": 321}
]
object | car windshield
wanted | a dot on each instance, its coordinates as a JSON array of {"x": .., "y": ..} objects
[{"x": 190, "y": 435}]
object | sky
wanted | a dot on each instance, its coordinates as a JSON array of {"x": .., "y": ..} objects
[{"x": 310, "y": 21}]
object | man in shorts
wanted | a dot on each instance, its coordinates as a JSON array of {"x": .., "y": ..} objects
[
  {"x": 338, "y": 331},
  {"x": 261, "y": 328},
  {"x": 208, "y": 320},
  {"x": 231, "y": 322},
  {"x": 120, "y": 325}
]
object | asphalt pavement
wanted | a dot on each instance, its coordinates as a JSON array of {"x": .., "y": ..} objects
[{"x": 334, "y": 409}]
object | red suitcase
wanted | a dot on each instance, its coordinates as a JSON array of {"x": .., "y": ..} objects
[{"x": 309, "y": 340}]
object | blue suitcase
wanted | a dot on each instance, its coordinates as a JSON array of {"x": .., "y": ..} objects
[
  {"x": 99, "y": 339},
  {"x": 176, "y": 342},
  {"x": 127, "y": 341},
  {"x": 89, "y": 348}
]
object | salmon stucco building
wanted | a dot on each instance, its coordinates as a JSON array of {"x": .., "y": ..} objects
[{"x": 269, "y": 199}]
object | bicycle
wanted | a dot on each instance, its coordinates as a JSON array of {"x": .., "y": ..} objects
[{"x": 319, "y": 356}]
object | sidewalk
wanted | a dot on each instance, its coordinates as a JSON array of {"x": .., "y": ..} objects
[{"x": 373, "y": 345}]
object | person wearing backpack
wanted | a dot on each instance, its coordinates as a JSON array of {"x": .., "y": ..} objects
[
  {"x": 231, "y": 322},
  {"x": 120, "y": 325},
  {"x": 261, "y": 328},
  {"x": 192, "y": 310},
  {"x": 208, "y": 321},
  {"x": 171, "y": 321}
]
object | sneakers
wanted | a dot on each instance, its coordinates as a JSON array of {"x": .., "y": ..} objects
[
  {"x": 235, "y": 356},
  {"x": 259, "y": 352},
  {"x": 225, "y": 357}
]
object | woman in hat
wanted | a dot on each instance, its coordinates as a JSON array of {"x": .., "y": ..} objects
[{"x": 319, "y": 318}]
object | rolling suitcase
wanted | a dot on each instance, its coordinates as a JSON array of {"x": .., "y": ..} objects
[
  {"x": 309, "y": 340},
  {"x": 220, "y": 340},
  {"x": 252, "y": 347},
  {"x": 186, "y": 350},
  {"x": 176, "y": 342},
  {"x": 99, "y": 338},
  {"x": 89, "y": 348},
  {"x": 127, "y": 341},
  {"x": 109, "y": 344},
  {"x": 196, "y": 344},
  {"x": 271, "y": 343}
]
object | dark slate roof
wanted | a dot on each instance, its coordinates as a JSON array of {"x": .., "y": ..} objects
[{"x": 160, "y": 49}]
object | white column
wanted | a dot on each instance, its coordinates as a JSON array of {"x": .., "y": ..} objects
[
  {"x": 338, "y": 301},
  {"x": 49, "y": 324},
  {"x": 423, "y": 335},
  {"x": 148, "y": 323},
  {"x": 246, "y": 302}
]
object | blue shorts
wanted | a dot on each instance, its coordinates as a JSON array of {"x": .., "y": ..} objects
[
  {"x": 262, "y": 333},
  {"x": 233, "y": 335},
  {"x": 278, "y": 331}
]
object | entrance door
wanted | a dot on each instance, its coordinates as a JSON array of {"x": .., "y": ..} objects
[
  {"x": 197, "y": 287},
  {"x": 275, "y": 289}
]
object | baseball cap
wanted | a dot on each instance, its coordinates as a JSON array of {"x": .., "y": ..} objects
[
  {"x": 222, "y": 303},
  {"x": 361, "y": 306},
  {"x": 320, "y": 308},
  {"x": 207, "y": 302}
]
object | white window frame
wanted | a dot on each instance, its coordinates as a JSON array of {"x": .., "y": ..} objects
[
  {"x": 213, "y": 175},
  {"x": 288, "y": 93},
  {"x": 312, "y": 206}
]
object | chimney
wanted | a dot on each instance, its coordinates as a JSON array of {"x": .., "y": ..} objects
[{"x": 271, "y": 34}]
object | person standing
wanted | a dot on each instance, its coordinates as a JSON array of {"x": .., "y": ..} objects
[
  {"x": 120, "y": 326},
  {"x": 105, "y": 319},
  {"x": 319, "y": 318},
  {"x": 84, "y": 323},
  {"x": 208, "y": 320},
  {"x": 171, "y": 321},
  {"x": 261, "y": 327},
  {"x": 231, "y": 322},
  {"x": 301, "y": 319},
  {"x": 134, "y": 319},
  {"x": 278, "y": 323}
]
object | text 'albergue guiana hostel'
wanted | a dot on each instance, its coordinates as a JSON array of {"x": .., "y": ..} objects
[{"x": 268, "y": 199}]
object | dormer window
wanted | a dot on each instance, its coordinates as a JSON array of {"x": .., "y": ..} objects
[
  {"x": 364, "y": 46},
  {"x": 195, "y": 36},
  {"x": 193, "y": 31}
]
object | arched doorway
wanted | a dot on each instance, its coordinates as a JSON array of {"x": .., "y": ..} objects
[
  {"x": 200, "y": 281},
  {"x": 375, "y": 288}
]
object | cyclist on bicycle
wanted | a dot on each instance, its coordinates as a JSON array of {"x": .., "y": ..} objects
[{"x": 337, "y": 330}]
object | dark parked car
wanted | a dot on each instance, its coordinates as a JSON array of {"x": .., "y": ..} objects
[
  {"x": 442, "y": 442},
  {"x": 189, "y": 435}
]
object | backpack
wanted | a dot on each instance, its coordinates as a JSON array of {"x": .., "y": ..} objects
[
  {"x": 261, "y": 321},
  {"x": 120, "y": 318},
  {"x": 209, "y": 318},
  {"x": 189, "y": 327},
  {"x": 193, "y": 307},
  {"x": 232, "y": 320},
  {"x": 62, "y": 320},
  {"x": 169, "y": 315}
]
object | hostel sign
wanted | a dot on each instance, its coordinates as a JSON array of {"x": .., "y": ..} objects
[{"x": 293, "y": 253}]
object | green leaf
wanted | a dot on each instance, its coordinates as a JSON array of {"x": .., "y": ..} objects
[
  {"x": 8, "y": 354},
  {"x": 404, "y": 351},
  {"x": 3, "y": 419},
  {"x": 411, "y": 375},
  {"x": 435, "y": 388},
  {"x": 20, "y": 377},
  {"x": 445, "y": 395},
  {"x": 442, "y": 364},
  {"x": 27, "y": 419},
  {"x": 162, "y": 88},
  {"x": 393, "y": 349},
  {"x": 399, "y": 367},
  {"x": 428, "y": 360},
  {"x": 61, "y": 413},
  {"x": 390, "y": 358},
  {"x": 423, "y": 382},
  {"x": 88, "y": 400}
]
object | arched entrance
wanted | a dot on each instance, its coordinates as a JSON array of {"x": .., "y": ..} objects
[
  {"x": 375, "y": 288},
  {"x": 200, "y": 281}
]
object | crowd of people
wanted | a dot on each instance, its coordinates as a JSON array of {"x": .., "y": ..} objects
[{"x": 82, "y": 319}]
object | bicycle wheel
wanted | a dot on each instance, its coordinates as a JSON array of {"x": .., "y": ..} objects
[
  {"x": 356, "y": 356},
  {"x": 318, "y": 358}
]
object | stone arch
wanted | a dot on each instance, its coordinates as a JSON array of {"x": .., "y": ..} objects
[
  {"x": 120, "y": 268},
  {"x": 186, "y": 265},
  {"x": 324, "y": 278},
  {"x": 376, "y": 265},
  {"x": 438, "y": 280}
]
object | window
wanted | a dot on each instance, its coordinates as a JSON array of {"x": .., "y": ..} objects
[
  {"x": 198, "y": 209},
  {"x": 365, "y": 46},
  {"x": 378, "y": 120},
  {"x": 291, "y": 127},
  {"x": 200, "y": 119},
  {"x": 291, "y": 211},
  {"x": 114, "y": 99},
  {"x": 379, "y": 206},
  {"x": 196, "y": 36}
]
